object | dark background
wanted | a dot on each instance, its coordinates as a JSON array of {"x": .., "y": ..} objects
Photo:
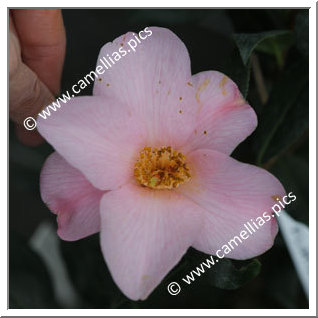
[{"x": 216, "y": 40}]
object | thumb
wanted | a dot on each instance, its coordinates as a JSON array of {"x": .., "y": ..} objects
[{"x": 28, "y": 95}]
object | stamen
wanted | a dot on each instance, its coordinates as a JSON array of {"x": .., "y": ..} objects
[{"x": 163, "y": 168}]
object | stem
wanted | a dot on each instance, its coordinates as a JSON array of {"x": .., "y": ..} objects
[{"x": 259, "y": 79}]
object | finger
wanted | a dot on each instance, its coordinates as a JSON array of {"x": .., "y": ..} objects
[
  {"x": 27, "y": 94},
  {"x": 27, "y": 137},
  {"x": 42, "y": 37}
]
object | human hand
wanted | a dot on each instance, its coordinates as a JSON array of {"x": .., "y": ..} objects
[{"x": 37, "y": 50}]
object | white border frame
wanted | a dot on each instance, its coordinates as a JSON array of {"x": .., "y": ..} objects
[{"x": 312, "y": 165}]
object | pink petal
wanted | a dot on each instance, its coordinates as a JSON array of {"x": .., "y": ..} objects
[
  {"x": 223, "y": 118},
  {"x": 98, "y": 136},
  {"x": 68, "y": 194},
  {"x": 152, "y": 81},
  {"x": 232, "y": 193},
  {"x": 144, "y": 234}
]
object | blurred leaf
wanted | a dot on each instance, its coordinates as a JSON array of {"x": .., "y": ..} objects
[
  {"x": 238, "y": 72},
  {"x": 159, "y": 16},
  {"x": 302, "y": 32},
  {"x": 175, "y": 17},
  {"x": 285, "y": 116},
  {"x": 293, "y": 172},
  {"x": 293, "y": 126},
  {"x": 29, "y": 282},
  {"x": 226, "y": 276},
  {"x": 90, "y": 275},
  {"x": 280, "y": 282},
  {"x": 238, "y": 68},
  {"x": 276, "y": 46},
  {"x": 247, "y": 42},
  {"x": 218, "y": 21},
  {"x": 272, "y": 44}
]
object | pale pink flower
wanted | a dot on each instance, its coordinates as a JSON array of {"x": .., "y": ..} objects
[{"x": 151, "y": 204}]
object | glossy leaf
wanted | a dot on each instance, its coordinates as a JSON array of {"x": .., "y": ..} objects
[
  {"x": 227, "y": 276},
  {"x": 293, "y": 171},
  {"x": 247, "y": 42},
  {"x": 285, "y": 117},
  {"x": 226, "y": 273},
  {"x": 238, "y": 72},
  {"x": 277, "y": 46}
]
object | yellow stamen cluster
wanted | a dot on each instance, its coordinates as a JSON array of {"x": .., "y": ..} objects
[{"x": 163, "y": 168}]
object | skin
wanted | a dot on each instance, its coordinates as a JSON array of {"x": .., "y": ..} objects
[{"x": 37, "y": 50}]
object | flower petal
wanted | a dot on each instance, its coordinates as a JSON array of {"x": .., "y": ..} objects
[
  {"x": 144, "y": 234},
  {"x": 98, "y": 136},
  {"x": 223, "y": 118},
  {"x": 153, "y": 82},
  {"x": 69, "y": 195},
  {"x": 232, "y": 193}
]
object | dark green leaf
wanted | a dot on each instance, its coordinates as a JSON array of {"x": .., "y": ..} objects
[
  {"x": 276, "y": 46},
  {"x": 172, "y": 17},
  {"x": 302, "y": 32},
  {"x": 90, "y": 275},
  {"x": 247, "y": 42},
  {"x": 238, "y": 72},
  {"x": 293, "y": 171},
  {"x": 285, "y": 117},
  {"x": 226, "y": 276},
  {"x": 293, "y": 126},
  {"x": 29, "y": 282}
]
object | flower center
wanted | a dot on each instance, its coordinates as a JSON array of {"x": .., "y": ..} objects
[{"x": 163, "y": 168}]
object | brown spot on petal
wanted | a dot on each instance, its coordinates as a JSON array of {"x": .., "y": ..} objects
[
  {"x": 222, "y": 84},
  {"x": 190, "y": 84},
  {"x": 223, "y": 81},
  {"x": 205, "y": 132},
  {"x": 107, "y": 84},
  {"x": 200, "y": 89},
  {"x": 276, "y": 197},
  {"x": 100, "y": 79},
  {"x": 180, "y": 111}
]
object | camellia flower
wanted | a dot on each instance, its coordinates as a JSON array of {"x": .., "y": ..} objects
[{"x": 145, "y": 162}]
